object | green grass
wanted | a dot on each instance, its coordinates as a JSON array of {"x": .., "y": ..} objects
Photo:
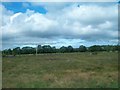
[{"x": 61, "y": 70}]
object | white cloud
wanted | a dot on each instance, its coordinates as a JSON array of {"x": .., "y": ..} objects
[
  {"x": 106, "y": 25},
  {"x": 4, "y": 15},
  {"x": 51, "y": 7},
  {"x": 68, "y": 21},
  {"x": 90, "y": 14}
]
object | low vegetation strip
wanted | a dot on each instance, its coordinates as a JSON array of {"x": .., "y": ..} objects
[{"x": 48, "y": 49}]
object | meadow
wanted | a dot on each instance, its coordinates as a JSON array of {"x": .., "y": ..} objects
[{"x": 61, "y": 70}]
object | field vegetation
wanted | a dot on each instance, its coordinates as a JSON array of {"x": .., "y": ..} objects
[{"x": 61, "y": 70}]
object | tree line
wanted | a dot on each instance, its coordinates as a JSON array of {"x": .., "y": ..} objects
[{"x": 48, "y": 49}]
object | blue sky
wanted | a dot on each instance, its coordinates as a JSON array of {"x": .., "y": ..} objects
[
  {"x": 59, "y": 24},
  {"x": 22, "y": 7}
]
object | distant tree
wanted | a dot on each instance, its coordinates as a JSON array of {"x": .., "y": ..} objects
[
  {"x": 39, "y": 49},
  {"x": 75, "y": 49},
  {"x": 109, "y": 48},
  {"x": 69, "y": 49},
  {"x": 28, "y": 50},
  {"x": 54, "y": 50},
  {"x": 117, "y": 48},
  {"x": 57, "y": 50},
  {"x": 82, "y": 48},
  {"x": 9, "y": 51},
  {"x": 5, "y": 52},
  {"x": 47, "y": 49},
  {"x": 95, "y": 48},
  {"x": 63, "y": 49},
  {"x": 16, "y": 51}
]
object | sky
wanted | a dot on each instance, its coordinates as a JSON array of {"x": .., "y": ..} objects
[{"x": 58, "y": 23}]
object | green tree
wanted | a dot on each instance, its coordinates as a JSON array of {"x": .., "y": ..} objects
[
  {"x": 9, "y": 51},
  {"x": 95, "y": 48},
  {"x": 16, "y": 51},
  {"x": 69, "y": 49},
  {"x": 63, "y": 49},
  {"x": 82, "y": 48},
  {"x": 47, "y": 49},
  {"x": 28, "y": 50},
  {"x": 54, "y": 50},
  {"x": 39, "y": 49}
]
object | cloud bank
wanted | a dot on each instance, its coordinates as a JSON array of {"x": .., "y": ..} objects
[{"x": 63, "y": 24}]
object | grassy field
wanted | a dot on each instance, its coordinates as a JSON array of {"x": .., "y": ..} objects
[{"x": 62, "y": 70}]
